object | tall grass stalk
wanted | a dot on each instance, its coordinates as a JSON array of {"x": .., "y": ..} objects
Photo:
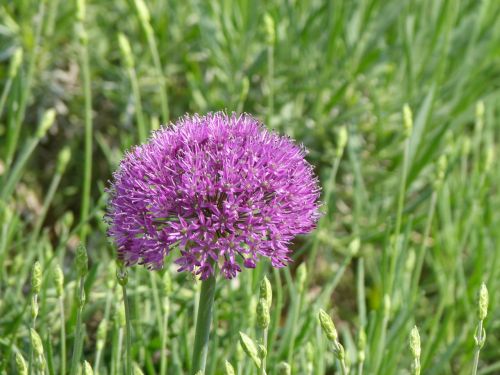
[
  {"x": 15, "y": 130},
  {"x": 122, "y": 277},
  {"x": 128, "y": 58},
  {"x": 15, "y": 63},
  {"x": 87, "y": 93},
  {"x": 81, "y": 263},
  {"x": 144, "y": 19}
]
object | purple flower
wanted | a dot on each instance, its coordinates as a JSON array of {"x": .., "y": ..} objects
[{"x": 220, "y": 188}]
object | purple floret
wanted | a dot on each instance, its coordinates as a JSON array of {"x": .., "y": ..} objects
[{"x": 219, "y": 188}]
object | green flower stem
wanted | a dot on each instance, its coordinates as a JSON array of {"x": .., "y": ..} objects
[
  {"x": 399, "y": 218},
  {"x": 15, "y": 131},
  {"x": 263, "y": 358},
  {"x": 87, "y": 169},
  {"x": 421, "y": 253},
  {"x": 164, "y": 336},
  {"x": 128, "y": 329},
  {"x": 63, "y": 336},
  {"x": 480, "y": 338},
  {"x": 203, "y": 322},
  {"x": 78, "y": 343}
]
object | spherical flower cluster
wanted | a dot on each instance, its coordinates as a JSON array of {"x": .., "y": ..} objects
[{"x": 219, "y": 188}]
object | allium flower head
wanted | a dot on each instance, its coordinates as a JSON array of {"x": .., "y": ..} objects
[{"x": 220, "y": 188}]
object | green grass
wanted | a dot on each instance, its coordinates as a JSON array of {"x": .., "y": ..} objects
[{"x": 411, "y": 216}]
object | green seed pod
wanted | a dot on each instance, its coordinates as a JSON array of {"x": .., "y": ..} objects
[
  {"x": 407, "y": 120},
  {"x": 415, "y": 342},
  {"x": 87, "y": 369},
  {"x": 36, "y": 278},
  {"x": 266, "y": 291},
  {"x": 263, "y": 316},
  {"x": 21, "y": 367},
  {"x": 327, "y": 325},
  {"x": 47, "y": 121},
  {"x": 229, "y": 369},
  {"x": 58, "y": 280},
  {"x": 15, "y": 63},
  {"x": 270, "y": 29},
  {"x": 136, "y": 370},
  {"x": 250, "y": 348},
  {"x": 284, "y": 369},
  {"x": 483, "y": 302},
  {"x": 82, "y": 261},
  {"x": 301, "y": 277}
]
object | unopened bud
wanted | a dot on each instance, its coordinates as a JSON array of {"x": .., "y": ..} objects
[
  {"x": 80, "y": 10},
  {"x": 250, "y": 348},
  {"x": 284, "y": 369},
  {"x": 229, "y": 369},
  {"x": 58, "y": 280},
  {"x": 269, "y": 27},
  {"x": 82, "y": 261},
  {"x": 47, "y": 121},
  {"x": 142, "y": 11},
  {"x": 342, "y": 140},
  {"x": 479, "y": 115},
  {"x": 301, "y": 277},
  {"x": 136, "y": 370},
  {"x": 354, "y": 246},
  {"x": 36, "y": 278},
  {"x": 361, "y": 345},
  {"x": 21, "y": 367},
  {"x": 483, "y": 302},
  {"x": 415, "y": 342},
  {"x": 407, "y": 120},
  {"x": 87, "y": 369},
  {"x": 126, "y": 50},
  {"x": 266, "y": 291},
  {"x": 63, "y": 159},
  {"x": 263, "y": 317},
  {"x": 327, "y": 326},
  {"x": 36, "y": 341}
]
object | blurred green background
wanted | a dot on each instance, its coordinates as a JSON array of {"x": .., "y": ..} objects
[{"x": 82, "y": 82}]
